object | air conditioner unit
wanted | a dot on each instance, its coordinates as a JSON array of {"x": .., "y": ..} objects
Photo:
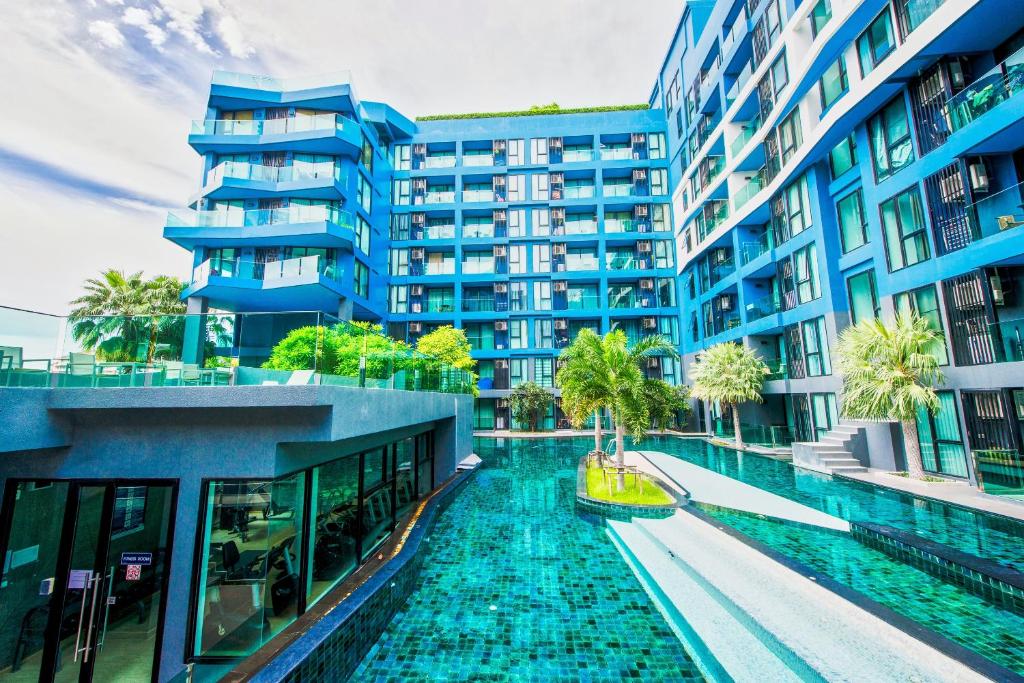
[
  {"x": 558, "y": 214},
  {"x": 499, "y": 251},
  {"x": 419, "y": 149},
  {"x": 559, "y": 267},
  {"x": 502, "y": 403},
  {"x": 644, "y": 303},
  {"x": 501, "y": 364},
  {"x": 419, "y": 184},
  {"x": 650, "y": 323},
  {"x": 419, "y": 219},
  {"x": 498, "y": 181},
  {"x": 416, "y": 307},
  {"x": 500, "y": 325},
  {"x": 725, "y": 302},
  {"x": 558, "y": 249},
  {"x": 556, "y": 194},
  {"x": 417, "y": 290},
  {"x": 498, "y": 146},
  {"x": 561, "y": 324},
  {"x": 647, "y": 283},
  {"x": 499, "y": 346},
  {"x": 639, "y": 175},
  {"x": 643, "y": 246},
  {"x": 554, "y": 143},
  {"x": 500, "y": 216},
  {"x": 561, "y": 285},
  {"x": 556, "y": 178},
  {"x": 640, "y": 210},
  {"x": 979, "y": 176},
  {"x": 995, "y": 283},
  {"x": 415, "y": 328},
  {"x": 638, "y": 138},
  {"x": 417, "y": 253},
  {"x": 500, "y": 288}
]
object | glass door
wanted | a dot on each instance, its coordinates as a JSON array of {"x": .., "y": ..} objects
[{"x": 84, "y": 579}]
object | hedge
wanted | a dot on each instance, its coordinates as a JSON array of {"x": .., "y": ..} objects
[{"x": 534, "y": 111}]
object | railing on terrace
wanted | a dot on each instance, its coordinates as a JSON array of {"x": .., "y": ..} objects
[
  {"x": 260, "y": 82},
  {"x": 286, "y": 269},
  {"x": 772, "y": 436},
  {"x": 243, "y": 170},
  {"x": 185, "y": 218},
  {"x": 477, "y": 159},
  {"x": 738, "y": 30},
  {"x": 478, "y": 230},
  {"x": 741, "y": 80},
  {"x": 777, "y": 369},
  {"x": 439, "y": 232},
  {"x": 291, "y": 124},
  {"x": 1008, "y": 337},
  {"x": 725, "y": 322},
  {"x": 708, "y": 220},
  {"x": 747, "y": 133},
  {"x": 996, "y": 213},
  {"x": 617, "y": 189},
  {"x": 477, "y": 195},
  {"x": 478, "y": 267},
  {"x": 439, "y": 197},
  {"x": 622, "y": 262},
  {"x": 754, "y": 184},
  {"x": 483, "y": 305},
  {"x": 39, "y": 351},
  {"x": 579, "y": 191},
  {"x": 616, "y": 153},
  {"x": 439, "y": 161},
  {"x": 720, "y": 271},
  {"x": 570, "y": 156},
  {"x": 616, "y": 225},
  {"x": 762, "y": 307},
  {"x": 993, "y": 88},
  {"x": 582, "y": 302},
  {"x": 754, "y": 248},
  {"x": 446, "y": 267},
  {"x": 710, "y": 168}
]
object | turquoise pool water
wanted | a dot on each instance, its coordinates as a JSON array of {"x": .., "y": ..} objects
[{"x": 516, "y": 587}]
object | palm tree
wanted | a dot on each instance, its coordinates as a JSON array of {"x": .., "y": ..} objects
[
  {"x": 889, "y": 374},
  {"x": 606, "y": 373},
  {"x": 106, "y": 317},
  {"x": 730, "y": 374}
]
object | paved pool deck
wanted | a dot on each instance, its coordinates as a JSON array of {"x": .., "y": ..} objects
[
  {"x": 954, "y": 492},
  {"x": 704, "y": 486}
]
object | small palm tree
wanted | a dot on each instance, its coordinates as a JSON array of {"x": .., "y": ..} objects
[
  {"x": 606, "y": 373},
  {"x": 730, "y": 374},
  {"x": 889, "y": 373}
]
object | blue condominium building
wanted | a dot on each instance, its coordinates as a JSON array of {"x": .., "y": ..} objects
[{"x": 799, "y": 166}]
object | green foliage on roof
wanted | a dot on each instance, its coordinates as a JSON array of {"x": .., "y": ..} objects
[{"x": 535, "y": 110}]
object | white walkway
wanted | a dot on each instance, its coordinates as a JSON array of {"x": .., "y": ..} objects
[
  {"x": 763, "y": 621},
  {"x": 705, "y": 486}
]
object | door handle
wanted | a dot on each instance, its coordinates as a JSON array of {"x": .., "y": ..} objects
[
  {"x": 97, "y": 582},
  {"x": 81, "y": 617}
]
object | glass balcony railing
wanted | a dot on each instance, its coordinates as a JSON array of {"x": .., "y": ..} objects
[
  {"x": 481, "y": 305},
  {"x": 477, "y": 159},
  {"x": 996, "y": 213},
  {"x": 439, "y": 232},
  {"x": 42, "y": 352},
  {"x": 290, "y": 215},
  {"x": 720, "y": 271},
  {"x": 985, "y": 93},
  {"x": 440, "y": 161},
  {"x": 477, "y": 195},
  {"x": 771, "y": 436},
  {"x": 616, "y": 153},
  {"x": 478, "y": 230},
  {"x": 753, "y": 185},
  {"x": 713, "y": 215},
  {"x": 777, "y": 369},
  {"x": 584, "y": 226},
  {"x": 578, "y": 192},
  {"x": 747, "y": 133},
  {"x": 741, "y": 81},
  {"x": 614, "y": 225},
  {"x": 260, "y": 82},
  {"x": 446, "y": 267},
  {"x": 439, "y": 197},
  {"x": 736, "y": 32},
  {"x": 478, "y": 266},
  {"x": 291, "y": 124},
  {"x": 579, "y": 263},
  {"x": 617, "y": 189},
  {"x": 622, "y": 263},
  {"x": 754, "y": 248},
  {"x": 571, "y": 155},
  {"x": 286, "y": 269},
  {"x": 241, "y": 170},
  {"x": 576, "y": 301},
  {"x": 763, "y": 307}
]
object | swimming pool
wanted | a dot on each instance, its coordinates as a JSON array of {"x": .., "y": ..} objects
[
  {"x": 566, "y": 607},
  {"x": 516, "y": 586}
]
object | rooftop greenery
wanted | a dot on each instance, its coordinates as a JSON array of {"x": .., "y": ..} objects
[{"x": 535, "y": 110}]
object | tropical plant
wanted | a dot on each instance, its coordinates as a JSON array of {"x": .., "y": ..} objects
[
  {"x": 606, "y": 372},
  {"x": 338, "y": 349},
  {"x": 729, "y": 374},
  {"x": 305, "y": 348},
  {"x": 889, "y": 373},
  {"x": 119, "y": 312},
  {"x": 666, "y": 403},
  {"x": 528, "y": 401},
  {"x": 449, "y": 346}
]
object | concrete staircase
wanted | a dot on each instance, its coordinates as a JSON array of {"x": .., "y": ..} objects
[{"x": 833, "y": 454}]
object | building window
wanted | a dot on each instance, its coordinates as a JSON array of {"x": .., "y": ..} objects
[
  {"x": 539, "y": 150},
  {"x": 843, "y": 157},
  {"x": 542, "y": 296},
  {"x": 903, "y": 225},
  {"x": 853, "y": 225},
  {"x": 366, "y": 154},
  {"x": 816, "y": 358},
  {"x": 824, "y": 414},
  {"x": 398, "y": 299},
  {"x": 834, "y": 83},
  {"x": 925, "y": 303},
  {"x": 659, "y": 182},
  {"x": 515, "y": 187},
  {"x": 540, "y": 186},
  {"x": 363, "y": 234},
  {"x": 480, "y": 336},
  {"x": 543, "y": 373},
  {"x": 942, "y": 442},
  {"x": 541, "y": 258},
  {"x": 666, "y": 292},
  {"x": 517, "y": 296},
  {"x": 517, "y": 372},
  {"x": 798, "y": 206},
  {"x": 516, "y": 259},
  {"x": 820, "y": 15},
  {"x": 515, "y": 152},
  {"x": 863, "y": 297},
  {"x": 656, "y": 146},
  {"x": 516, "y": 223},
  {"x": 789, "y": 135},
  {"x": 876, "y": 43},
  {"x": 659, "y": 218},
  {"x": 542, "y": 333},
  {"x": 364, "y": 194},
  {"x": 541, "y": 222},
  {"x": 664, "y": 254},
  {"x": 517, "y": 334},
  {"x": 401, "y": 159},
  {"x": 779, "y": 74},
  {"x": 361, "y": 279},
  {"x": 400, "y": 193},
  {"x": 399, "y": 264},
  {"x": 805, "y": 267},
  {"x": 672, "y": 92},
  {"x": 889, "y": 131}
]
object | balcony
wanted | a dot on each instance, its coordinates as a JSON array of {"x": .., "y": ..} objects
[
  {"x": 986, "y": 93},
  {"x": 777, "y": 369},
  {"x": 995, "y": 214},
  {"x": 303, "y": 226},
  {"x": 616, "y": 225},
  {"x": 750, "y": 188},
  {"x": 317, "y": 133},
  {"x": 478, "y": 266},
  {"x": 721, "y": 270},
  {"x": 273, "y": 286},
  {"x": 912, "y": 13},
  {"x": 711, "y": 216},
  {"x": 617, "y": 189},
  {"x": 439, "y": 232},
  {"x": 439, "y": 161},
  {"x": 579, "y": 301},
  {"x": 242, "y": 180},
  {"x": 616, "y": 152},
  {"x": 478, "y": 230},
  {"x": 574, "y": 155},
  {"x": 469, "y": 159},
  {"x": 579, "y": 191},
  {"x": 747, "y": 133},
  {"x": 1008, "y": 339},
  {"x": 621, "y": 262},
  {"x": 754, "y": 248},
  {"x": 483, "y": 305},
  {"x": 763, "y": 307},
  {"x": 439, "y": 197},
  {"x": 445, "y": 267},
  {"x": 477, "y": 196}
]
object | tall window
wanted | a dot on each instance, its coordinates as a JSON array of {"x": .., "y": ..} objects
[
  {"x": 863, "y": 297},
  {"x": 891, "y": 147},
  {"x": 843, "y": 157},
  {"x": 540, "y": 186},
  {"x": 820, "y": 15},
  {"x": 399, "y": 263},
  {"x": 664, "y": 254},
  {"x": 400, "y": 158},
  {"x": 515, "y": 152},
  {"x": 366, "y": 154},
  {"x": 518, "y": 372},
  {"x": 517, "y": 259},
  {"x": 542, "y": 336},
  {"x": 659, "y": 218},
  {"x": 398, "y": 299},
  {"x": 400, "y": 192},
  {"x": 925, "y": 303},
  {"x": 517, "y": 296},
  {"x": 779, "y": 74},
  {"x": 541, "y": 258},
  {"x": 805, "y": 270},
  {"x": 516, "y": 222},
  {"x": 361, "y": 277},
  {"x": 541, "y": 222},
  {"x": 538, "y": 150},
  {"x": 364, "y": 194},
  {"x": 659, "y": 182},
  {"x": 903, "y": 224},
  {"x": 876, "y": 43},
  {"x": 517, "y": 334},
  {"x": 853, "y": 225},
  {"x": 542, "y": 296},
  {"x": 789, "y": 135},
  {"x": 834, "y": 83},
  {"x": 543, "y": 372},
  {"x": 798, "y": 206},
  {"x": 816, "y": 358},
  {"x": 656, "y": 145},
  {"x": 363, "y": 234},
  {"x": 515, "y": 187}
]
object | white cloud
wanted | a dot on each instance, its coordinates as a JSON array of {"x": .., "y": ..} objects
[
  {"x": 184, "y": 18},
  {"x": 106, "y": 33},
  {"x": 136, "y": 16},
  {"x": 230, "y": 31}
]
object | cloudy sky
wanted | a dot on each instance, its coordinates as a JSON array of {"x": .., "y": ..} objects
[{"x": 99, "y": 95}]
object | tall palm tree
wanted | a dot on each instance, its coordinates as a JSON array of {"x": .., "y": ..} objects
[
  {"x": 730, "y": 374},
  {"x": 889, "y": 373},
  {"x": 606, "y": 373},
  {"x": 106, "y": 317}
]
